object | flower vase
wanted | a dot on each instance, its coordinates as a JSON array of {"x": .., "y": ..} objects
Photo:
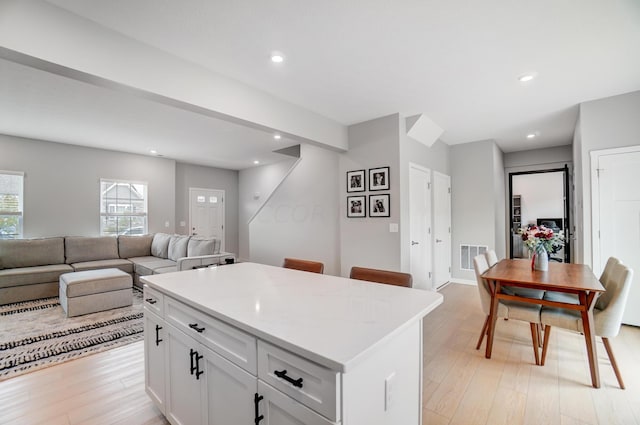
[{"x": 541, "y": 260}]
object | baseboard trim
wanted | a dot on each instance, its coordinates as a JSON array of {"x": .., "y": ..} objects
[{"x": 464, "y": 281}]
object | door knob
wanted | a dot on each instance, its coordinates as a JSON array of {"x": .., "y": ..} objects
[
  {"x": 414, "y": 243},
  {"x": 438, "y": 240}
]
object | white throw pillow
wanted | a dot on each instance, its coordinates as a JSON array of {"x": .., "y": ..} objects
[
  {"x": 178, "y": 247},
  {"x": 160, "y": 245},
  {"x": 203, "y": 246}
]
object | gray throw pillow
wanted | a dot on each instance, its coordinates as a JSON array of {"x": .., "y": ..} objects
[
  {"x": 178, "y": 247},
  {"x": 160, "y": 245},
  {"x": 203, "y": 246},
  {"x": 134, "y": 246}
]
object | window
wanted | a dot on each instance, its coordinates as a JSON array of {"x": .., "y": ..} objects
[
  {"x": 11, "y": 200},
  {"x": 123, "y": 207}
]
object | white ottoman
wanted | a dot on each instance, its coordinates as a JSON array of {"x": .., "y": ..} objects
[{"x": 95, "y": 290}]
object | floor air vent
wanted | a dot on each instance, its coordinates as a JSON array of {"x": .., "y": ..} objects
[{"x": 467, "y": 252}]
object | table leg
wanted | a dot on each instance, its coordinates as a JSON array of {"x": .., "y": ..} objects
[
  {"x": 587, "y": 300},
  {"x": 493, "y": 315}
]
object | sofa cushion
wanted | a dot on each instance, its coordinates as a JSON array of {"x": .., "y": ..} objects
[
  {"x": 160, "y": 245},
  {"x": 134, "y": 246},
  {"x": 78, "y": 249},
  {"x": 178, "y": 247},
  {"x": 120, "y": 263},
  {"x": 165, "y": 270},
  {"x": 139, "y": 260},
  {"x": 202, "y": 246},
  {"x": 16, "y": 253},
  {"x": 32, "y": 275},
  {"x": 94, "y": 282},
  {"x": 148, "y": 268}
]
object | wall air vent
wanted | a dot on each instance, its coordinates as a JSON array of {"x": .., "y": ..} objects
[{"x": 467, "y": 252}]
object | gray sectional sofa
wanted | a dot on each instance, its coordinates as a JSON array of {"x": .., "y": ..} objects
[{"x": 31, "y": 268}]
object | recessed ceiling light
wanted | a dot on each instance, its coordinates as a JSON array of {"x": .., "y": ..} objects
[
  {"x": 531, "y": 136},
  {"x": 277, "y": 57},
  {"x": 153, "y": 152},
  {"x": 524, "y": 78},
  {"x": 256, "y": 162},
  {"x": 277, "y": 136}
]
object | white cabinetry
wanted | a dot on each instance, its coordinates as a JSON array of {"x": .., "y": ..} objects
[
  {"x": 255, "y": 344},
  {"x": 154, "y": 354},
  {"x": 184, "y": 387},
  {"x": 200, "y": 386}
]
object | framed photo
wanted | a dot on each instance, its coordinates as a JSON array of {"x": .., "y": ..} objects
[
  {"x": 379, "y": 205},
  {"x": 356, "y": 206},
  {"x": 379, "y": 178},
  {"x": 356, "y": 181}
]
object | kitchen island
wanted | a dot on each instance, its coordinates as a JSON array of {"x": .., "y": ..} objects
[{"x": 256, "y": 344}]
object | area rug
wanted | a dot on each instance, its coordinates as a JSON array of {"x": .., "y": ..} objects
[{"x": 37, "y": 334}]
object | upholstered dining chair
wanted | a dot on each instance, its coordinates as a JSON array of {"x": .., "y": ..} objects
[
  {"x": 382, "y": 276},
  {"x": 492, "y": 257},
  {"x": 607, "y": 313},
  {"x": 304, "y": 265},
  {"x": 606, "y": 275},
  {"x": 492, "y": 260},
  {"x": 508, "y": 309}
]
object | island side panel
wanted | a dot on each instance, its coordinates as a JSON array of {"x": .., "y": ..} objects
[{"x": 385, "y": 388}]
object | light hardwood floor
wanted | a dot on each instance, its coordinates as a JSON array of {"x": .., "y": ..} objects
[{"x": 460, "y": 385}]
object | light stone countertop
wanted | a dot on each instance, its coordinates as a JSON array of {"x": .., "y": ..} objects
[{"x": 331, "y": 320}]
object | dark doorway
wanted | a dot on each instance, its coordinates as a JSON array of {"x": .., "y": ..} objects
[{"x": 541, "y": 197}]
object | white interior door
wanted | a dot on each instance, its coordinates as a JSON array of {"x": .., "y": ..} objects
[
  {"x": 619, "y": 220},
  {"x": 441, "y": 229},
  {"x": 420, "y": 226},
  {"x": 206, "y": 213}
]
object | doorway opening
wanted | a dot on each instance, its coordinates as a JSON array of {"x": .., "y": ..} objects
[{"x": 540, "y": 197}]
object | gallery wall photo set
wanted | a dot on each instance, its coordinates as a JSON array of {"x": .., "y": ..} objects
[
  {"x": 356, "y": 181},
  {"x": 379, "y": 178},
  {"x": 356, "y": 206},
  {"x": 378, "y": 204}
]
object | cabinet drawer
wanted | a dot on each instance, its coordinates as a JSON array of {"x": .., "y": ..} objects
[
  {"x": 311, "y": 384},
  {"x": 278, "y": 409},
  {"x": 153, "y": 301},
  {"x": 231, "y": 343}
]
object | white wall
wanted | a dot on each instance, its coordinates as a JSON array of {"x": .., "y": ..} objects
[
  {"x": 301, "y": 218},
  {"x": 62, "y": 185},
  {"x": 367, "y": 241},
  {"x": 473, "y": 200},
  {"x": 578, "y": 206},
  {"x": 256, "y": 186},
  {"x": 500, "y": 203},
  {"x": 538, "y": 159},
  {"x": 45, "y": 36},
  {"x": 605, "y": 123},
  {"x": 189, "y": 175},
  {"x": 542, "y": 195},
  {"x": 435, "y": 158}
]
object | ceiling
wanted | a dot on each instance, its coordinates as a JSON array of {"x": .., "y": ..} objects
[{"x": 455, "y": 61}]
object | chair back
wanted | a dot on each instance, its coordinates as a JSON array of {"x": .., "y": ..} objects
[
  {"x": 382, "y": 276},
  {"x": 492, "y": 257},
  {"x": 605, "y": 279},
  {"x": 480, "y": 266},
  {"x": 609, "y": 318},
  {"x": 303, "y": 265}
]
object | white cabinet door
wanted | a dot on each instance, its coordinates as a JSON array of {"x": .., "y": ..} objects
[
  {"x": 184, "y": 386},
  {"x": 229, "y": 391},
  {"x": 154, "y": 350},
  {"x": 278, "y": 409}
]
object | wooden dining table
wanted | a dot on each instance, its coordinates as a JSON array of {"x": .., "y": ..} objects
[{"x": 577, "y": 279}]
